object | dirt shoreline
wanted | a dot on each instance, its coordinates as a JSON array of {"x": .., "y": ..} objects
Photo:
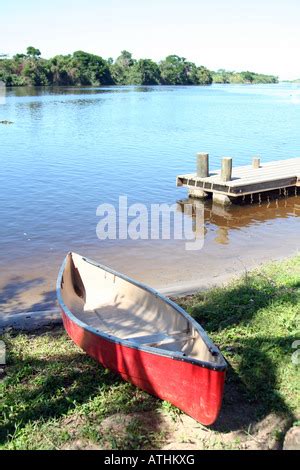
[{"x": 30, "y": 313}]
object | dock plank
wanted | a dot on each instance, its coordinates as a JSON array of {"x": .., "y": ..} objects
[{"x": 248, "y": 180}]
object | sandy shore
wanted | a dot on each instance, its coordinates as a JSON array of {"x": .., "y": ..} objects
[{"x": 29, "y": 304}]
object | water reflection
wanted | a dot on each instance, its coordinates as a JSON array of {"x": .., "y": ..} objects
[
  {"x": 70, "y": 90},
  {"x": 35, "y": 109},
  {"x": 223, "y": 220}
]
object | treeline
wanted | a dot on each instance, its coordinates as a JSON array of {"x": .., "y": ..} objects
[
  {"x": 223, "y": 76},
  {"x": 82, "y": 68}
]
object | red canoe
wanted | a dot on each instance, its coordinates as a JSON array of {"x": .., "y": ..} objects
[{"x": 148, "y": 339}]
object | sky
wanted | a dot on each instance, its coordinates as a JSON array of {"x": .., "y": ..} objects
[{"x": 258, "y": 35}]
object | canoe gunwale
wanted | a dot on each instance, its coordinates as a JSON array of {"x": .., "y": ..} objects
[{"x": 221, "y": 367}]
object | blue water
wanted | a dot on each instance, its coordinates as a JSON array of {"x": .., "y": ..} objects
[{"x": 69, "y": 150}]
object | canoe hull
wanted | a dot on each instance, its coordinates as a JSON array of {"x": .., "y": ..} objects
[{"x": 194, "y": 389}]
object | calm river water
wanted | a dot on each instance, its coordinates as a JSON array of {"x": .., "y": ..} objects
[{"x": 70, "y": 150}]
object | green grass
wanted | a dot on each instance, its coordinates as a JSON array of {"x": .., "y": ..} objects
[
  {"x": 254, "y": 322},
  {"x": 50, "y": 381},
  {"x": 53, "y": 394}
]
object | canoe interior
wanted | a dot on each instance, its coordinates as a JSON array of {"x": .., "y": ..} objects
[{"x": 115, "y": 306}]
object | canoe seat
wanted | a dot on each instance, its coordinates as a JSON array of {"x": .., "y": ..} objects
[{"x": 160, "y": 339}]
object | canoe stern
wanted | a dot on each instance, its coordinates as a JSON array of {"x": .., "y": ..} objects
[{"x": 195, "y": 389}]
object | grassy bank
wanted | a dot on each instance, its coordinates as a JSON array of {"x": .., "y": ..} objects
[{"x": 53, "y": 396}]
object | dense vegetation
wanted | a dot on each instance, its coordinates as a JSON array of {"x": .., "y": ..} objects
[
  {"x": 223, "y": 76},
  {"x": 82, "y": 68}
]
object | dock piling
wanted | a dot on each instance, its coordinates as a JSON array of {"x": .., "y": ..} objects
[
  {"x": 226, "y": 171},
  {"x": 202, "y": 165},
  {"x": 202, "y": 172},
  {"x": 256, "y": 162},
  {"x": 223, "y": 199}
]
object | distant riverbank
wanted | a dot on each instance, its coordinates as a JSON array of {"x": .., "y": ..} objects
[{"x": 82, "y": 68}]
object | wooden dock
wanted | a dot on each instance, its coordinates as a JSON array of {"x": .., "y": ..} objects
[{"x": 229, "y": 184}]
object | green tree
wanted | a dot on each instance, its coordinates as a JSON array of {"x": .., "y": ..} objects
[
  {"x": 19, "y": 57},
  {"x": 247, "y": 77},
  {"x": 221, "y": 76},
  {"x": 62, "y": 70},
  {"x": 204, "y": 76},
  {"x": 177, "y": 70},
  {"x": 173, "y": 70},
  {"x": 33, "y": 52},
  {"x": 90, "y": 69},
  {"x": 143, "y": 72},
  {"x": 36, "y": 72},
  {"x": 120, "y": 69}
]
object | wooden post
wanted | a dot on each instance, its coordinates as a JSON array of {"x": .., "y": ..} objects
[
  {"x": 256, "y": 162},
  {"x": 226, "y": 171},
  {"x": 202, "y": 165},
  {"x": 223, "y": 199}
]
